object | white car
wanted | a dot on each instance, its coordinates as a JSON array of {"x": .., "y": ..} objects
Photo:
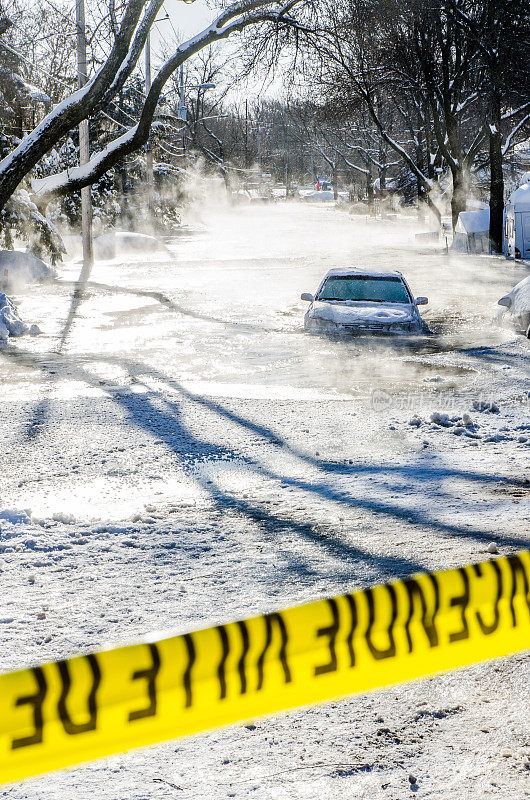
[
  {"x": 518, "y": 304},
  {"x": 357, "y": 301}
]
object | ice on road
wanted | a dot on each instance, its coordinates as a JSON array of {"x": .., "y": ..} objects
[{"x": 193, "y": 457}]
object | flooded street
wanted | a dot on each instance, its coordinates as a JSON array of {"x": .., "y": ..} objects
[
  {"x": 225, "y": 316},
  {"x": 264, "y": 435},
  {"x": 192, "y": 457}
]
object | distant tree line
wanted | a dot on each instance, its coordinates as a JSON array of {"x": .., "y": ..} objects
[
  {"x": 428, "y": 97},
  {"x": 117, "y": 38},
  {"x": 442, "y": 86}
]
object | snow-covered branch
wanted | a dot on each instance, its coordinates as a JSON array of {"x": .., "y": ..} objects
[
  {"x": 426, "y": 183},
  {"x": 235, "y": 19},
  {"x": 127, "y": 67},
  {"x": 514, "y": 111},
  {"x": 510, "y": 137},
  {"x": 71, "y": 111},
  {"x": 367, "y": 156},
  {"x": 62, "y": 182},
  {"x": 355, "y": 167}
]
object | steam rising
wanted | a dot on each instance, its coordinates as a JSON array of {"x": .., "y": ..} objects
[{"x": 224, "y": 316}]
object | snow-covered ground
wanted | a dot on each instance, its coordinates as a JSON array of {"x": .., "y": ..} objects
[{"x": 193, "y": 457}]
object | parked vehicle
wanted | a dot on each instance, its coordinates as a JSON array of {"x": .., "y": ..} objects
[
  {"x": 357, "y": 302},
  {"x": 517, "y": 222},
  {"x": 518, "y": 304}
]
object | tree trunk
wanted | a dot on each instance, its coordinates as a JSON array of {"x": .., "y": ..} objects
[
  {"x": 226, "y": 180},
  {"x": 79, "y": 106},
  {"x": 383, "y": 168},
  {"x": 460, "y": 189},
  {"x": 369, "y": 189},
  {"x": 335, "y": 186},
  {"x": 496, "y": 174},
  {"x": 435, "y": 210},
  {"x": 382, "y": 181},
  {"x": 422, "y": 201}
]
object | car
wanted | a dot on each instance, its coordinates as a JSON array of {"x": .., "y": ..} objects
[
  {"x": 359, "y": 301},
  {"x": 518, "y": 304}
]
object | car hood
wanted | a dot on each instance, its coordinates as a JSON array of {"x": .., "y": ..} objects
[
  {"x": 520, "y": 297},
  {"x": 357, "y": 313}
]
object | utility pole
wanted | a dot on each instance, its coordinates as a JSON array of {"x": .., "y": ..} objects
[
  {"x": 259, "y": 151},
  {"x": 287, "y": 165},
  {"x": 149, "y": 153},
  {"x": 246, "y": 134},
  {"x": 182, "y": 107},
  {"x": 181, "y": 87},
  {"x": 84, "y": 144},
  {"x": 86, "y": 203}
]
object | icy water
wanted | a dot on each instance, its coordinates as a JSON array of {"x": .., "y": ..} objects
[
  {"x": 139, "y": 495},
  {"x": 224, "y": 317}
]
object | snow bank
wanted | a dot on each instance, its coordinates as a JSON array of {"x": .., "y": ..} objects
[
  {"x": 10, "y": 322},
  {"x": 18, "y": 268},
  {"x": 116, "y": 243}
]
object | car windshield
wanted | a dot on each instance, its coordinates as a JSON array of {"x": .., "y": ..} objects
[{"x": 360, "y": 287}]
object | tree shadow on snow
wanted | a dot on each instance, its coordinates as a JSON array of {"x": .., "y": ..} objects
[{"x": 163, "y": 418}]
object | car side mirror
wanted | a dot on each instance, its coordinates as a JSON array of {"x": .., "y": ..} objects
[
  {"x": 307, "y": 297},
  {"x": 421, "y": 301},
  {"x": 505, "y": 301}
]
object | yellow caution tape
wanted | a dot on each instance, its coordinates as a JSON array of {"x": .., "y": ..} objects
[{"x": 83, "y": 708}]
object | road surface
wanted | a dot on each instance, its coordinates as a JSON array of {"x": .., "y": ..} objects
[{"x": 192, "y": 457}]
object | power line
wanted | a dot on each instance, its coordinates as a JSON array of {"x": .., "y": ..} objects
[{"x": 173, "y": 27}]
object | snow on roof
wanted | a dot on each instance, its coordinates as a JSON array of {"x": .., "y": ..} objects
[
  {"x": 344, "y": 273},
  {"x": 521, "y": 198},
  {"x": 473, "y": 221}
]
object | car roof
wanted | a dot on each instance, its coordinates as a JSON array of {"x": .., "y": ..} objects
[{"x": 344, "y": 273}]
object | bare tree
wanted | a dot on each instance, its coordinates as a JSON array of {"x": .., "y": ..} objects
[
  {"x": 445, "y": 83},
  {"x": 416, "y": 62},
  {"x": 105, "y": 85},
  {"x": 500, "y": 30}
]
